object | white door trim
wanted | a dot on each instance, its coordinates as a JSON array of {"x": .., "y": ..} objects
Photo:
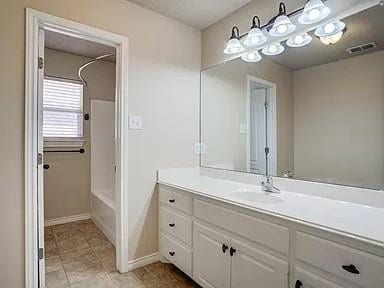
[
  {"x": 34, "y": 21},
  {"x": 273, "y": 134}
]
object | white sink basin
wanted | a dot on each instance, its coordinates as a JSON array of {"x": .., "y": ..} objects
[{"x": 255, "y": 195}]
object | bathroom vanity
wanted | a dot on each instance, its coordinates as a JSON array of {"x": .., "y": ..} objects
[{"x": 228, "y": 233}]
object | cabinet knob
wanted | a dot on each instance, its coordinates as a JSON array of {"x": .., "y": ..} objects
[
  {"x": 232, "y": 251},
  {"x": 172, "y": 253},
  {"x": 171, "y": 224},
  {"x": 351, "y": 269},
  {"x": 298, "y": 284},
  {"x": 171, "y": 200},
  {"x": 46, "y": 166},
  {"x": 224, "y": 248}
]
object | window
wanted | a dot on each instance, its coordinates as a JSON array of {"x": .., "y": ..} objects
[{"x": 62, "y": 109}]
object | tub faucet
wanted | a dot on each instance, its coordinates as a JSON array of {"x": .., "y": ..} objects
[{"x": 267, "y": 185}]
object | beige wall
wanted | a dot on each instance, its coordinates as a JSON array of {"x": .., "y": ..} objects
[
  {"x": 67, "y": 182},
  {"x": 339, "y": 122},
  {"x": 215, "y": 37},
  {"x": 224, "y": 94},
  {"x": 164, "y": 65}
]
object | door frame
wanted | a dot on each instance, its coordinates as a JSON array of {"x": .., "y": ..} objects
[
  {"x": 273, "y": 122},
  {"x": 36, "y": 20}
]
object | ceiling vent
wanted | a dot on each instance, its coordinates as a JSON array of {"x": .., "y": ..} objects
[{"x": 362, "y": 48}]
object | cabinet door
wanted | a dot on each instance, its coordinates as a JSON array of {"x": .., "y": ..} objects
[
  {"x": 252, "y": 267},
  {"x": 211, "y": 260},
  {"x": 305, "y": 279}
]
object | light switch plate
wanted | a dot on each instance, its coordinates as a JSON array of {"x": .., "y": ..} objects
[
  {"x": 200, "y": 148},
  {"x": 135, "y": 122},
  {"x": 243, "y": 128}
]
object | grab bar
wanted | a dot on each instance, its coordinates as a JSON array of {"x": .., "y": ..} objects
[{"x": 81, "y": 151}]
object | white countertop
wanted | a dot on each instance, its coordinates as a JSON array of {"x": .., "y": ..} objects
[{"x": 359, "y": 221}]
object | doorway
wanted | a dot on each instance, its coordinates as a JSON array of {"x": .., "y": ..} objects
[
  {"x": 261, "y": 124},
  {"x": 58, "y": 132}
]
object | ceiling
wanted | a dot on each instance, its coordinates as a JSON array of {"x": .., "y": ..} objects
[
  {"x": 364, "y": 27},
  {"x": 196, "y": 13},
  {"x": 77, "y": 46}
]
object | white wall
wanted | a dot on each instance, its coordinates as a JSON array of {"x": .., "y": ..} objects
[
  {"x": 164, "y": 71},
  {"x": 339, "y": 122}
]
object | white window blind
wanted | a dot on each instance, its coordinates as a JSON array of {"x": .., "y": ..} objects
[{"x": 62, "y": 109}]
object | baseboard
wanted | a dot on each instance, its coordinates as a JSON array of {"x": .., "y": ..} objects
[
  {"x": 67, "y": 219},
  {"x": 106, "y": 231},
  {"x": 146, "y": 260}
]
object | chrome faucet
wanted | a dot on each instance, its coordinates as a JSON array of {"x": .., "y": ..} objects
[{"x": 267, "y": 185}]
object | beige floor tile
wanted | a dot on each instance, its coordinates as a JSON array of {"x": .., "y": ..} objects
[
  {"x": 50, "y": 248},
  {"x": 124, "y": 280},
  {"x": 101, "y": 281},
  {"x": 56, "y": 279},
  {"x": 53, "y": 264},
  {"x": 71, "y": 245},
  {"x": 82, "y": 272}
]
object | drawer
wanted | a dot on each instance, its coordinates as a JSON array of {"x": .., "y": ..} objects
[
  {"x": 176, "y": 253},
  {"x": 305, "y": 279},
  {"x": 268, "y": 234},
  {"x": 338, "y": 259},
  {"x": 175, "y": 200},
  {"x": 176, "y": 224}
]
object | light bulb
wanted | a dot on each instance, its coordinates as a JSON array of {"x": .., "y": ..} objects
[
  {"x": 255, "y": 37},
  {"x": 282, "y": 26},
  {"x": 251, "y": 57},
  {"x": 313, "y": 14},
  {"x": 273, "y": 49},
  {"x": 282, "y": 29},
  {"x": 299, "y": 39},
  {"x": 329, "y": 28},
  {"x": 332, "y": 39},
  {"x": 314, "y": 11}
]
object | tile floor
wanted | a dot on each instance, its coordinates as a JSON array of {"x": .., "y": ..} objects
[{"x": 78, "y": 255}]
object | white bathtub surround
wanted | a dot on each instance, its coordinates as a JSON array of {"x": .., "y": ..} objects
[
  {"x": 103, "y": 166},
  {"x": 215, "y": 218}
]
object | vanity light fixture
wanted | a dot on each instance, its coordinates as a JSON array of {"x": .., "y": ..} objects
[
  {"x": 255, "y": 36},
  {"x": 234, "y": 46},
  {"x": 282, "y": 25},
  {"x": 314, "y": 11},
  {"x": 331, "y": 32},
  {"x": 299, "y": 40},
  {"x": 273, "y": 49},
  {"x": 251, "y": 57}
]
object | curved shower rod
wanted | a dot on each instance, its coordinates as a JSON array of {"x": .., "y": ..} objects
[{"x": 89, "y": 63}]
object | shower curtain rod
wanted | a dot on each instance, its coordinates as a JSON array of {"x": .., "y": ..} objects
[{"x": 91, "y": 62}]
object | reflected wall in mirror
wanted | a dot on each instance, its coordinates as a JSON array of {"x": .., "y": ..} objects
[{"x": 316, "y": 112}]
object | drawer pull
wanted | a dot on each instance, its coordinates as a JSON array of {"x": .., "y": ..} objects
[
  {"x": 171, "y": 224},
  {"x": 172, "y": 253},
  {"x": 232, "y": 251},
  {"x": 351, "y": 269},
  {"x": 171, "y": 200},
  {"x": 298, "y": 284},
  {"x": 224, "y": 248}
]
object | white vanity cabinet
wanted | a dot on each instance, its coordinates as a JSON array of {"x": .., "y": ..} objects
[
  {"x": 224, "y": 261},
  {"x": 224, "y": 245}
]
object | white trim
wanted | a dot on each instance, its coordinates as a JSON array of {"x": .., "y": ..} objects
[
  {"x": 67, "y": 219},
  {"x": 146, "y": 260},
  {"x": 34, "y": 21},
  {"x": 271, "y": 89}
]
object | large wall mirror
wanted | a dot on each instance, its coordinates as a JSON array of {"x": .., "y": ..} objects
[{"x": 314, "y": 113}]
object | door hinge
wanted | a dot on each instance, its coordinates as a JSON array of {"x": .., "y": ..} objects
[
  {"x": 39, "y": 159},
  {"x": 41, "y": 62},
  {"x": 41, "y": 253},
  {"x": 266, "y": 149}
]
